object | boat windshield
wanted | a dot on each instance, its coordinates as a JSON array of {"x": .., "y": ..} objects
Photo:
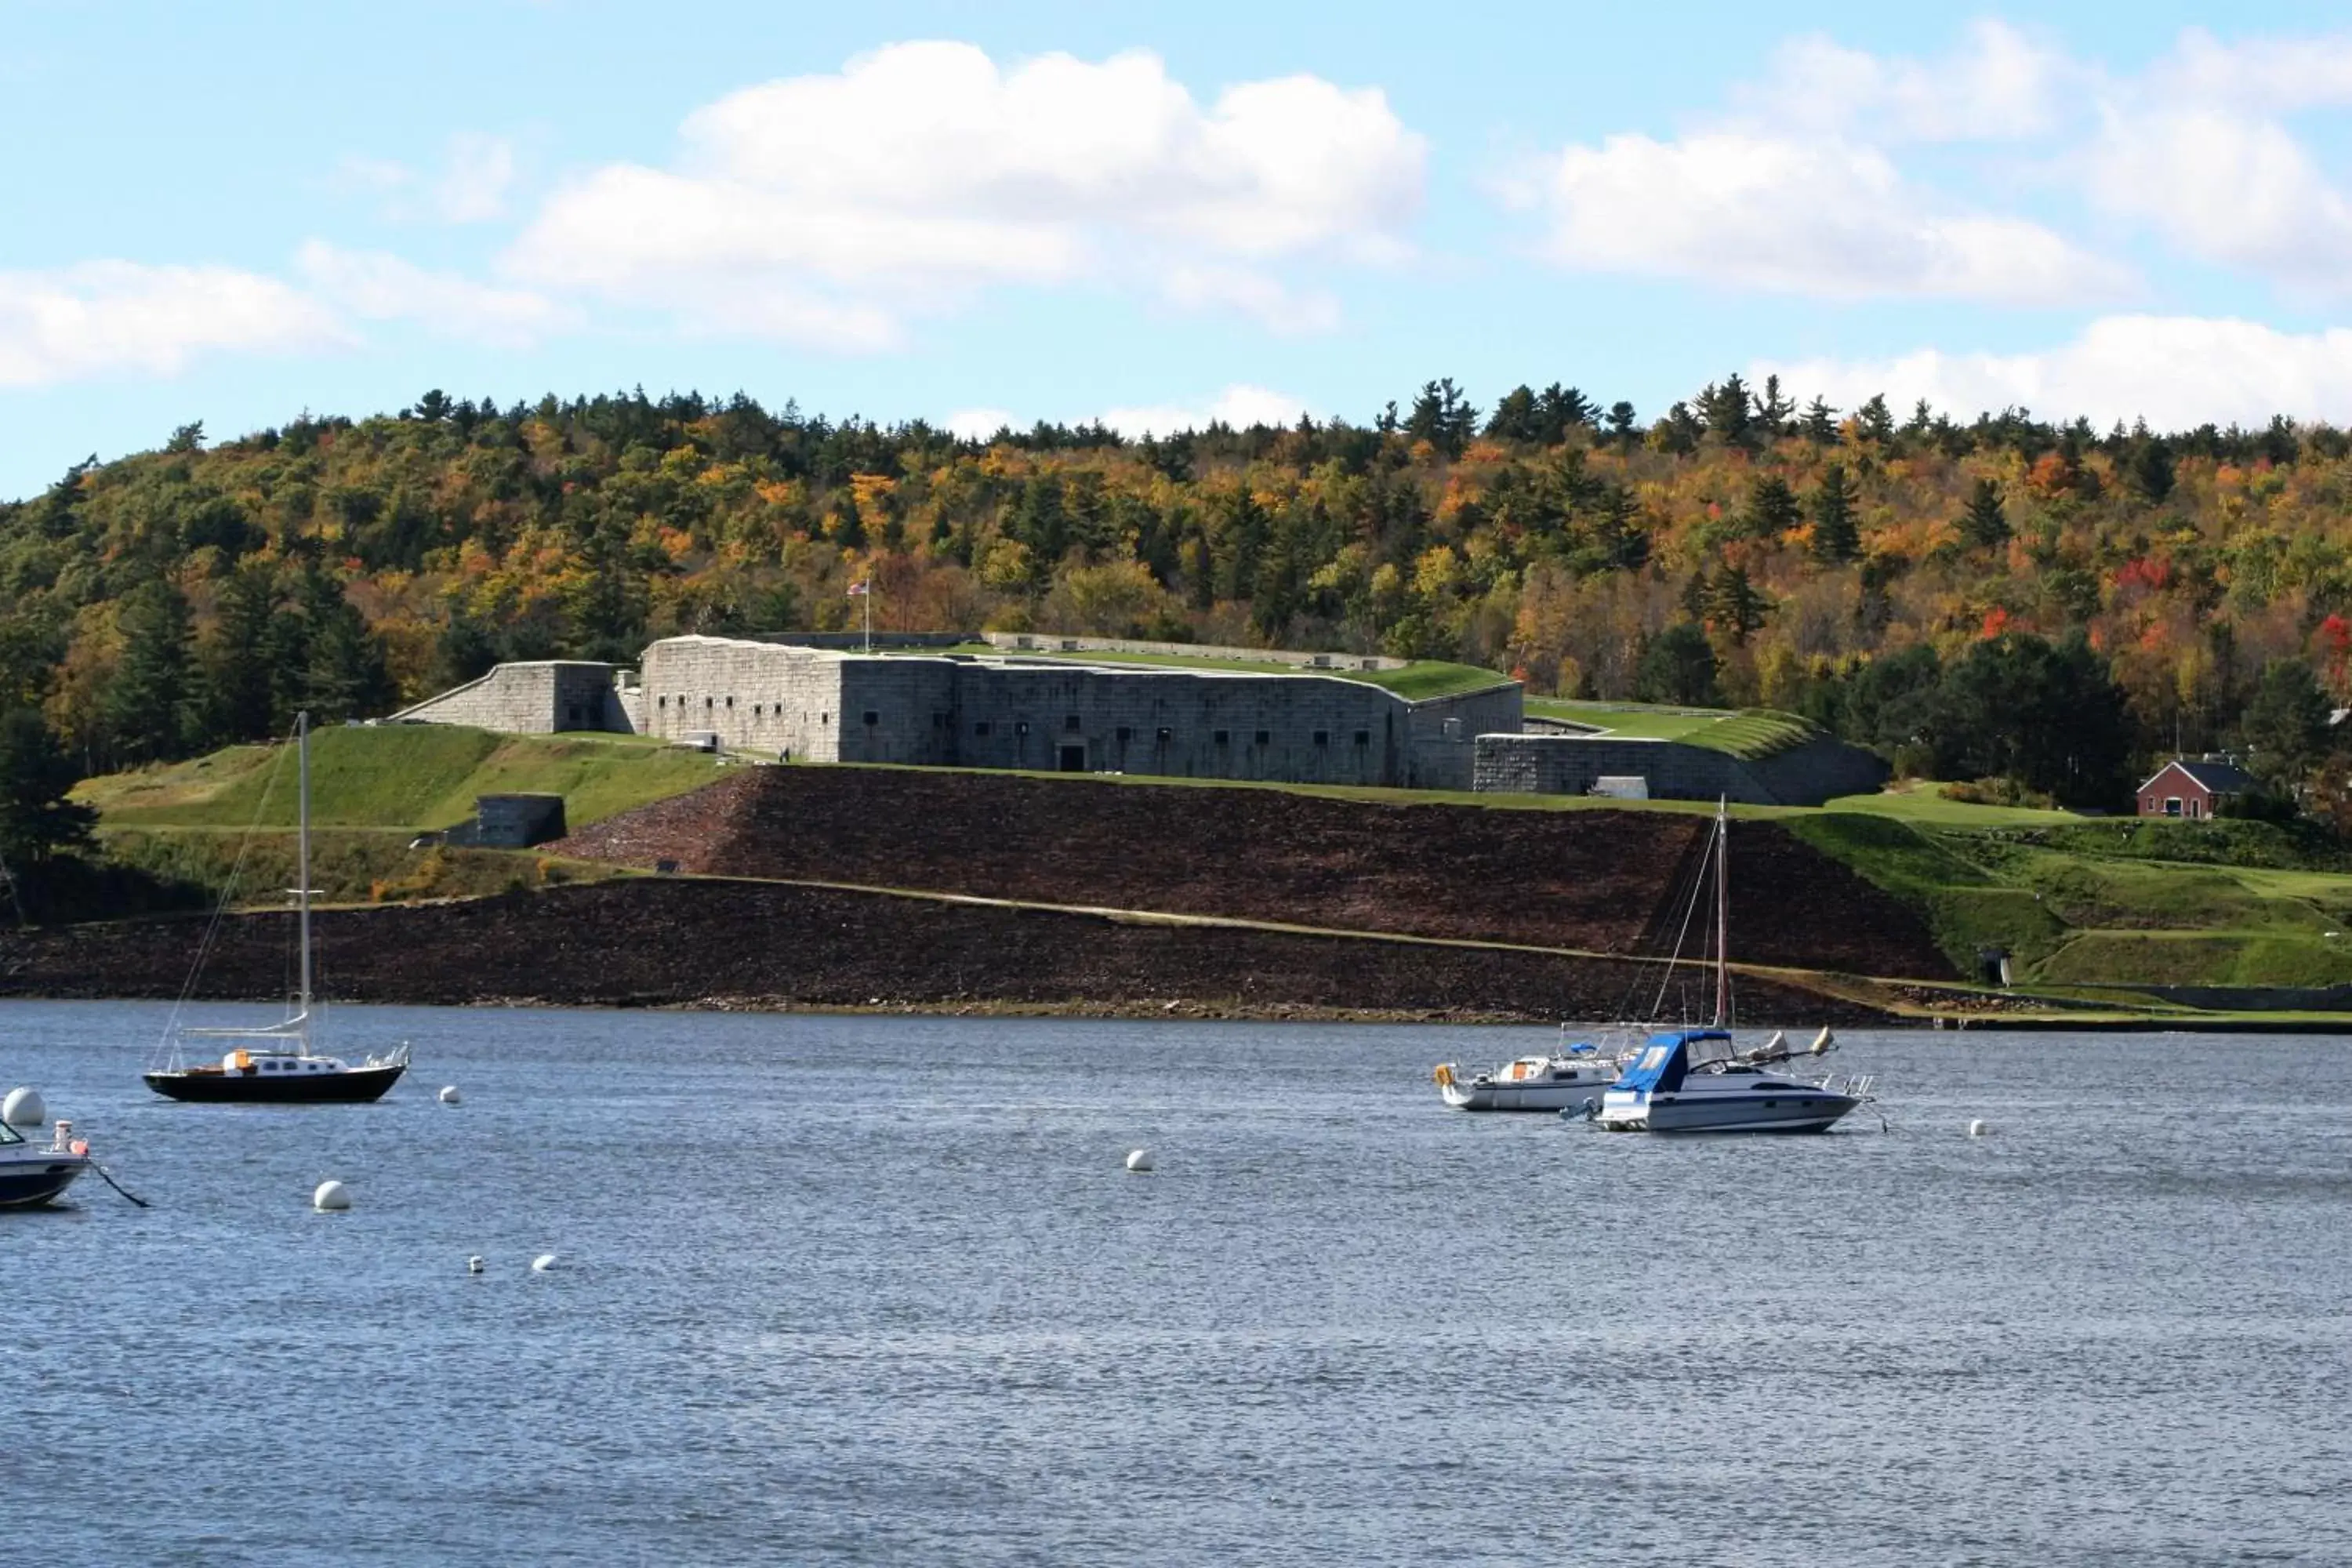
[{"x": 9, "y": 1134}]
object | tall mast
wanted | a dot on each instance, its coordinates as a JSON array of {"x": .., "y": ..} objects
[
  {"x": 302, "y": 861},
  {"x": 1722, "y": 912}
]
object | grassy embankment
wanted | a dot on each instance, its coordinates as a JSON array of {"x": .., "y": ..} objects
[
  {"x": 2077, "y": 902},
  {"x": 1417, "y": 681},
  {"x": 372, "y": 792}
]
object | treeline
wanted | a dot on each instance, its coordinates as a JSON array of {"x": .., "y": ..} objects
[{"x": 1933, "y": 587}]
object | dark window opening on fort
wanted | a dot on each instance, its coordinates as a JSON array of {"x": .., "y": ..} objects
[
  {"x": 1074, "y": 758},
  {"x": 1125, "y": 735},
  {"x": 709, "y": 702},
  {"x": 1322, "y": 737},
  {"x": 824, "y": 718},
  {"x": 1221, "y": 737},
  {"x": 661, "y": 701},
  {"x": 1363, "y": 737},
  {"x": 730, "y": 701},
  {"x": 1264, "y": 738},
  {"x": 980, "y": 728},
  {"x": 1022, "y": 728},
  {"x": 1070, "y": 724},
  {"x": 872, "y": 718},
  {"x": 1166, "y": 734}
]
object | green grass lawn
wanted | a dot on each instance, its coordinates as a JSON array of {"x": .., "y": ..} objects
[
  {"x": 404, "y": 777},
  {"x": 1751, "y": 734},
  {"x": 1417, "y": 681}
]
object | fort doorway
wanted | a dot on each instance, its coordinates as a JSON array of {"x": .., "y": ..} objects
[{"x": 1074, "y": 757}]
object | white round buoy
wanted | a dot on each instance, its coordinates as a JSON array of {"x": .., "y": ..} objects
[
  {"x": 1979, "y": 1129},
  {"x": 24, "y": 1108},
  {"x": 474, "y": 1264},
  {"x": 1139, "y": 1160},
  {"x": 331, "y": 1196},
  {"x": 449, "y": 1095},
  {"x": 542, "y": 1263}
]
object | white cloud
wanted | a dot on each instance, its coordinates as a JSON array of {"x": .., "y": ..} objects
[
  {"x": 2276, "y": 75},
  {"x": 2000, "y": 84},
  {"x": 473, "y": 186},
  {"x": 374, "y": 286},
  {"x": 2175, "y": 372},
  {"x": 2227, "y": 188},
  {"x": 476, "y": 175},
  {"x": 839, "y": 207},
  {"x": 1239, "y": 406},
  {"x": 104, "y": 316},
  {"x": 1817, "y": 216},
  {"x": 979, "y": 424}
]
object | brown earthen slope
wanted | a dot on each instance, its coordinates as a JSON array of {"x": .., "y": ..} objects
[
  {"x": 650, "y": 941},
  {"x": 1598, "y": 879}
]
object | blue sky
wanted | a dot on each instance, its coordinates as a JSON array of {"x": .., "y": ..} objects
[{"x": 1153, "y": 214}]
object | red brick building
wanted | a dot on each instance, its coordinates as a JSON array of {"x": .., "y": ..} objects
[{"x": 2192, "y": 790}]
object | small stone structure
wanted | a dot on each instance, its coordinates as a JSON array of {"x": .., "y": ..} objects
[
  {"x": 509, "y": 822},
  {"x": 536, "y": 698},
  {"x": 1819, "y": 770}
]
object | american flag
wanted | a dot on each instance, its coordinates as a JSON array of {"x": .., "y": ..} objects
[{"x": 858, "y": 590}]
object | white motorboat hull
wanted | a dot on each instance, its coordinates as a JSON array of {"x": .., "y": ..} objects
[
  {"x": 1777, "y": 1109},
  {"x": 1548, "y": 1094}
]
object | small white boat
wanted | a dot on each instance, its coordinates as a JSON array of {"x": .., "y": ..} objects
[
  {"x": 1561, "y": 1080},
  {"x": 33, "y": 1174}
]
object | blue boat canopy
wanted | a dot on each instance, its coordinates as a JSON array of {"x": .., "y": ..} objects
[{"x": 1661, "y": 1066}]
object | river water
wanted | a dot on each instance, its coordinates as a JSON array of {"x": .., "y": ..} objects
[{"x": 867, "y": 1289}]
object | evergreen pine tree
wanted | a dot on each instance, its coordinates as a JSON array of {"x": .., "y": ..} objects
[
  {"x": 1836, "y": 536},
  {"x": 147, "y": 712},
  {"x": 1983, "y": 525},
  {"x": 37, "y": 820}
]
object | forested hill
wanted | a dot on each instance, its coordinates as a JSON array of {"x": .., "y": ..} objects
[{"x": 1957, "y": 590}]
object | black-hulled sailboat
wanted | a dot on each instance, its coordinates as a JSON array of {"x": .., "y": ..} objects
[{"x": 273, "y": 1064}]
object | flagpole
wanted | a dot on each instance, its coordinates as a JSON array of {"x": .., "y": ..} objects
[{"x": 868, "y": 597}]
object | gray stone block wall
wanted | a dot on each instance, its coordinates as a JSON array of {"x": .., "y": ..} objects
[
  {"x": 1444, "y": 733},
  {"x": 760, "y": 694},
  {"x": 1571, "y": 765},
  {"x": 1177, "y": 725},
  {"x": 529, "y": 699}
]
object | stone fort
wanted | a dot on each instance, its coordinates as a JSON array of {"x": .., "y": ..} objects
[
  {"x": 999, "y": 711},
  {"x": 1039, "y": 704}
]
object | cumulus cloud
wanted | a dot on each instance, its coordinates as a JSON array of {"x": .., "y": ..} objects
[
  {"x": 1239, "y": 406},
  {"x": 374, "y": 286},
  {"x": 838, "y": 207},
  {"x": 1815, "y": 217},
  {"x": 979, "y": 424},
  {"x": 475, "y": 176},
  {"x": 106, "y": 316},
  {"x": 2176, "y": 371},
  {"x": 2226, "y": 188},
  {"x": 1999, "y": 84}
]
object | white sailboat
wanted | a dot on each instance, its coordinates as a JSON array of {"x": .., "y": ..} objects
[
  {"x": 275, "y": 1065},
  {"x": 1699, "y": 1080}
]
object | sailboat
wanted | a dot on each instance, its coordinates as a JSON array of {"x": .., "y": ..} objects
[
  {"x": 274, "y": 1064},
  {"x": 1699, "y": 1080}
]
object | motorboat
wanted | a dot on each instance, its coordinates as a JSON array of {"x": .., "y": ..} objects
[
  {"x": 274, "y": 1064},
  {"x": 33, "y": 1174},
  {"x": 1697, "y": 1080},
  {"x": 1558, "y": 1079}
]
